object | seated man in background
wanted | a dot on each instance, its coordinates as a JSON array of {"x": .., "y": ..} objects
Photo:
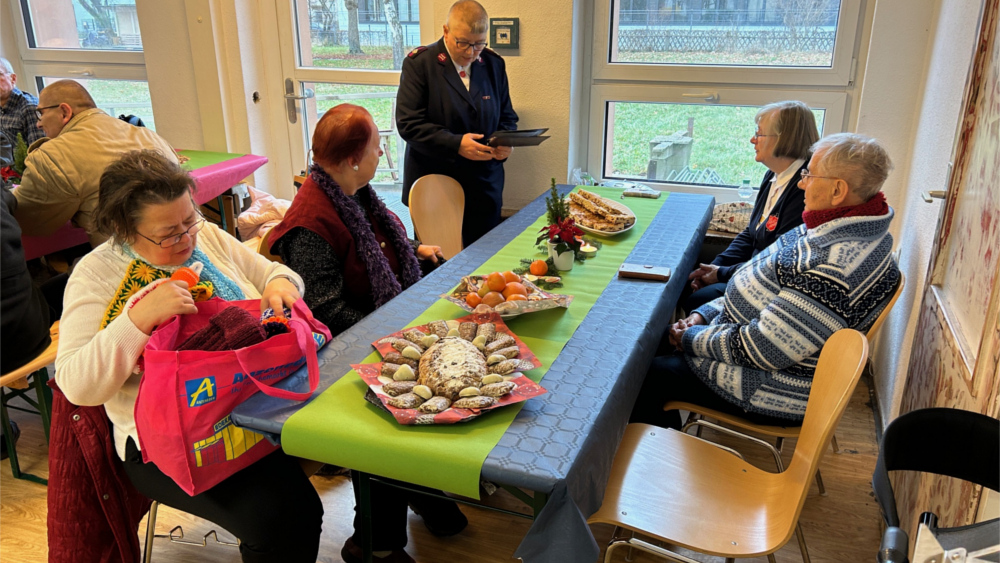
[
  {"x": 17, "y": 110},
  {"x": 62, "y": 174},
  {"x": 753, "y": 352}
]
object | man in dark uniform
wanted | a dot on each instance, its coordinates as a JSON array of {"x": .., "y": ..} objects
[{"x": 452, "y": 97}]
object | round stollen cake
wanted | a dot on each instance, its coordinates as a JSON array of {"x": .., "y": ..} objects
[{"x": 450, "y": 365}]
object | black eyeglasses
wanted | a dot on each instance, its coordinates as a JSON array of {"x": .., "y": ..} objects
[
  {"x": 464, "y": 45},
  {"x": 173, "y": 240},
  {"x": 38, "y": 111}
]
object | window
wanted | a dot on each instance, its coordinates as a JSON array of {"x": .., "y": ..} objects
[
  {"x": 116, "y": 97},
  {"x": 676, "y": 83},
  {"x": 87, "y": 24},
  {"x": 95, "y": 42},
  {"x": 346, "y": 51},
  {"x": 357, "y": 34}
]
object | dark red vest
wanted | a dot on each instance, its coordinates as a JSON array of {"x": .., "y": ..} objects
[{"x": 312, "y": 209}]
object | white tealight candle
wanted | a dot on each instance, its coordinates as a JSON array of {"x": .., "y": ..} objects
[{"x": 588, "y": 250}]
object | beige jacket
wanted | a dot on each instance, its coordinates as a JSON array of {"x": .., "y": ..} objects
[{"x": 62, "y": 175}]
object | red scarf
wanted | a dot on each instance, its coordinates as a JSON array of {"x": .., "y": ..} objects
[{"x": 873, "y": 207}]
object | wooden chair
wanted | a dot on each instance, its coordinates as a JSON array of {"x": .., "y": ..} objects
[
  {"x": 688, "y": 492},
  {"x": 778, "y": 432},
  {"x": 264, "y": 248},
  {"x": 15, "y": 384},
  {"x": 437, "y": 205}
]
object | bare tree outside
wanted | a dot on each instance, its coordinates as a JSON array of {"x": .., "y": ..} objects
[
  {"x": 353, "y": 37},
  {"x": 803, "y": 17},
  {"x": 100, "y": 10},
  {"x": 324, "y": 13},
  {"x": 392, "y": 18}
]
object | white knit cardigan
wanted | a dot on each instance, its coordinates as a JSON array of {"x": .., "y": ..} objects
[{"x": 94, "y": 366}]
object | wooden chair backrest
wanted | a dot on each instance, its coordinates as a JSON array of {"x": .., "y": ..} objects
[
  {"x": 840, "y": 365},
  {"x": 264, "y": 248},
  {"x": 873, "y": 331},
  {"x": 437, "y": 205}
]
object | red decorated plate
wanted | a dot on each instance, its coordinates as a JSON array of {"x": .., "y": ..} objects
[{"x": 523, "y": 389}]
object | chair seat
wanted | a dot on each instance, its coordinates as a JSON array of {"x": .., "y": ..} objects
[
  {"x": 685, "y": 491},
  {"x": 731, "y": 420},
  {"x": 45, "y": 358}
]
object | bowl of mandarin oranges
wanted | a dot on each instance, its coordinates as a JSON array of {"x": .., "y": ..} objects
[{"x": 508, "y": 293}]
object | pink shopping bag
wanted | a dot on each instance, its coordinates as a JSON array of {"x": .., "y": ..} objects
[{"x": 182, "y": 413}]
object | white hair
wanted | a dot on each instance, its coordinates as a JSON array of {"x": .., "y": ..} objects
[
  {"x": 6, "y": 66},
  {"x": 860, "y": 160}
]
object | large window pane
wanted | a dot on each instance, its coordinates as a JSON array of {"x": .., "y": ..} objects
[
  {"x": 356, "y": 34},
  {"x": 117, "y": 97},
  {"x": 380, "y": 101},
  {"x": 82, "y": 24},
  {"x": 795, "y": 33},
  {"x": 683, "y": 143}
]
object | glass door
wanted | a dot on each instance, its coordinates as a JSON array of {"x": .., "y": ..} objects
[{"x": 346, "y": 51}]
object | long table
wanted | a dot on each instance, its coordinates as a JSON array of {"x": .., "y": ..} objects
[{"x": 561, "y": 445}]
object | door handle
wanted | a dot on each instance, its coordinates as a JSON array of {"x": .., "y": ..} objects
[
  {"x": 291, "y": 99},
  {"x": 933, "y": 194},
  {"x": 306, "y": 94}
]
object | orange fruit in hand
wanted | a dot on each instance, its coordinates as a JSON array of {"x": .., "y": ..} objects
[
  {"x": 473, "y": 299},
  {"x": 515, "y": 288},
  {"x": 509, "y": 277},
  {"x": 496, "y": 282},
  {"x": 493, "y": 299},
  {"x": 539, "y": 268},
  {"x": 516, "y": 297}
]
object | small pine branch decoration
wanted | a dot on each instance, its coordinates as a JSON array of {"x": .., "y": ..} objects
[
  {"x": 555, "y": 205},
  {"x": 20, "y": 153}
]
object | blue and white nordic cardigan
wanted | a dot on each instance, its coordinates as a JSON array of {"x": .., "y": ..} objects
[{"x": 763, "y": 338}]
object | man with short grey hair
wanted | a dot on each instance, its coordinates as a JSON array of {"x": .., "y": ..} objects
[
  {"x": 17, "y": 114},
  {"x": 62, "y": 173}
]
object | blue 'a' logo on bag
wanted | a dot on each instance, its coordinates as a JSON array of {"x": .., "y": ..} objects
[{"x": 200, "y": 391}]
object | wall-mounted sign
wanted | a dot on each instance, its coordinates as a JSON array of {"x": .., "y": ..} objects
[{"x": 504, "y": 33}]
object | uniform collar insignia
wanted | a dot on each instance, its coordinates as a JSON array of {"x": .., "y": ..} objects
[{"x": 442, "y": 57}]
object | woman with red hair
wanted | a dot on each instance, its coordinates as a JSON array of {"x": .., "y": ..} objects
[{"x": 354, "y": 256}]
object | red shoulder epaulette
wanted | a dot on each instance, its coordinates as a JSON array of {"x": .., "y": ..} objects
[{"x": 416, "y": 51}]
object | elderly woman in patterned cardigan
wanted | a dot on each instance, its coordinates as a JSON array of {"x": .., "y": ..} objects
[
  {"x": 354, "y": 256},
  {"x": 753, "y": 352}
]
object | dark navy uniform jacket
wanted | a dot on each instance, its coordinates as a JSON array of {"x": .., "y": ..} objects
[{"x": 434, "y": 110}]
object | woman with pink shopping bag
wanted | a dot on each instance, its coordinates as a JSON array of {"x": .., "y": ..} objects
[{"x": 118, "y": 294}]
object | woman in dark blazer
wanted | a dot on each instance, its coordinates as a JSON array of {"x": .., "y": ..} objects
[{"x": 785, "y": 131}]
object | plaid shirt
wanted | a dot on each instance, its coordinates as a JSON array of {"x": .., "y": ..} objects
[{"x": 18, "y": 116}]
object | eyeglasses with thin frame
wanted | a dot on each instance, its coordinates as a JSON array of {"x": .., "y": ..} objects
[
  {"x": 38, "y": 111},
  {"x": 806, "y": 175},
  {"x": 174, "y": 240},
  {"x": 758, "y": 134},
  {"x": 464, "y": 45}
]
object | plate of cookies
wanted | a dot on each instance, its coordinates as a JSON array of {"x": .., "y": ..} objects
[
  {"x": 599, "y": 215},
  {"x": 450, "y": 371}
]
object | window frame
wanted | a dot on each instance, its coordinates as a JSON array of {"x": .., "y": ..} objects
[
  {"x": 76, "y": 56},
  {"x": 823, "y": 88},
  {"x": 839, "y": 74},
  {"x": 833, "y": 103}
]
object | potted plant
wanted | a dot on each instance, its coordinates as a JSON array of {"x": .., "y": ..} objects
[
  {"x": 12, "y": 174},
  {"x": 561, "y": 234}
]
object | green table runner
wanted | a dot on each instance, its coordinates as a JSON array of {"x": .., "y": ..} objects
[
  {"x": 341, "y": 428},
  {"x": 201, "y": 159}
]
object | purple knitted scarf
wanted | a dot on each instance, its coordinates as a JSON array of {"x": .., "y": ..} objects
[{"x": 383, "y": 280}]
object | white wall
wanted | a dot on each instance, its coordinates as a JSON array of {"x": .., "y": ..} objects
[
  {"x": 8, "y": 44},
  {"x": 170, "y": 72},
  {"x": 911, "y": 97},
  {"x": 539, "y": 75}
]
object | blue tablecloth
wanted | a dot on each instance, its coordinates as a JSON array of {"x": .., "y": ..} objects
[{"x": 561, "y": 443}]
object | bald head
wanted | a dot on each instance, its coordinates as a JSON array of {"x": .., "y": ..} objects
[
  {"x": 470, "y": 14},
  {"x": 67, "y": 92},
  {"x": 59, "y": 102}
]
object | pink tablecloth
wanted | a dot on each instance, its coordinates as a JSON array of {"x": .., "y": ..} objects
[{"x": 212, "y": 181}]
